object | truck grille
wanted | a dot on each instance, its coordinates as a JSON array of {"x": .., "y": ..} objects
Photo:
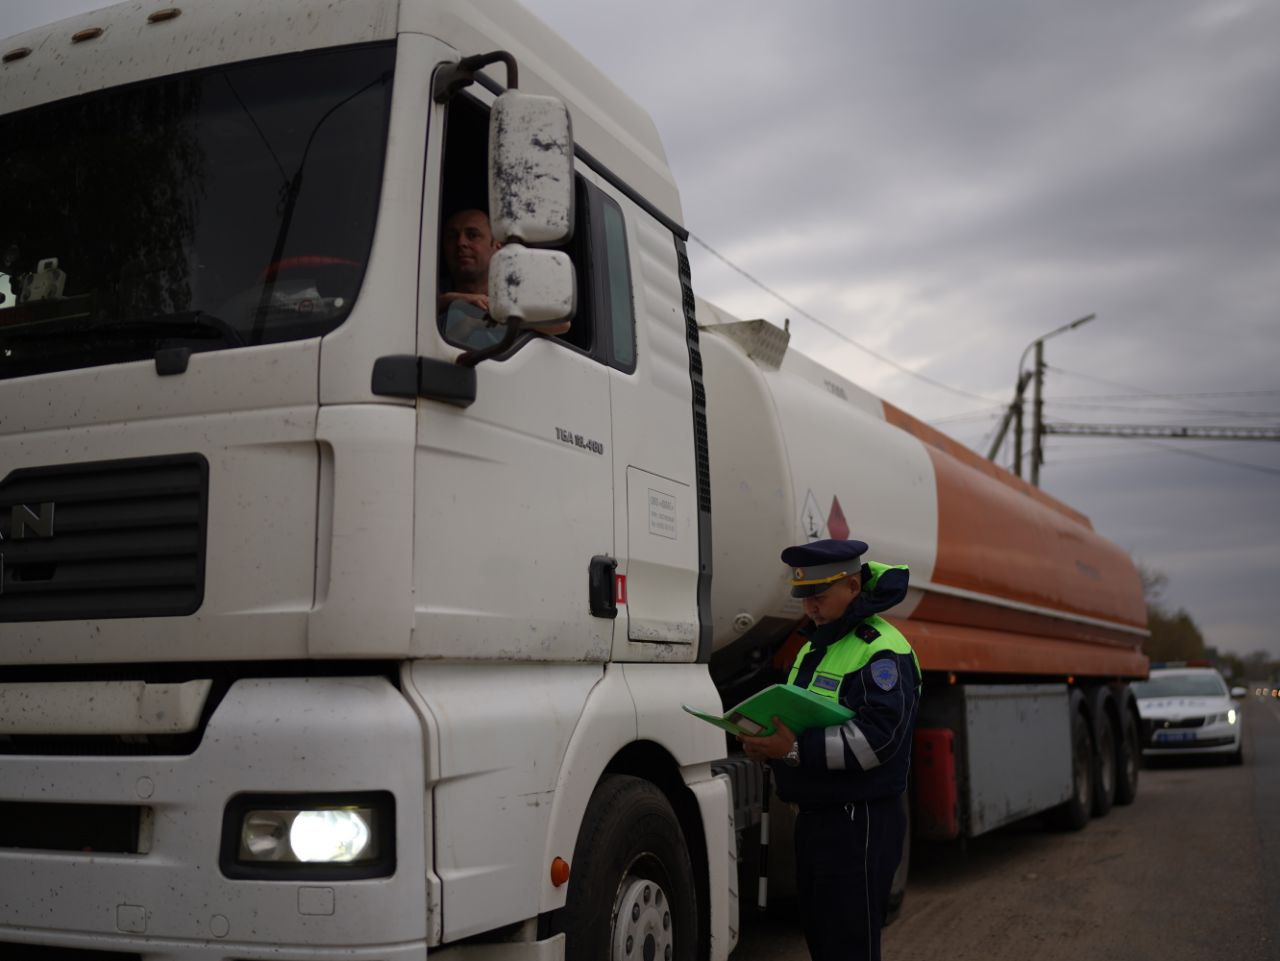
[{"x": 120, "y": 538}]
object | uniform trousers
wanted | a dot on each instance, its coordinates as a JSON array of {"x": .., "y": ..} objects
[{"x": 846, "y": 857}]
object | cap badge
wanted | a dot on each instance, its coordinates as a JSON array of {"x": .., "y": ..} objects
[{"x": 798, "y": 574}]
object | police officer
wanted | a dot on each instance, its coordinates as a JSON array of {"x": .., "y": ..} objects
[{"x": 847, "y": 781}]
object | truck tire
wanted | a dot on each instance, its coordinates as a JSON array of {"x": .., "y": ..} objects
[
  {"x": 1105, "y": 753},
  {"x": 1073, "y": 813},
  {"x": 1129, "y": 761},
  {"x": 631, "y": 888}
]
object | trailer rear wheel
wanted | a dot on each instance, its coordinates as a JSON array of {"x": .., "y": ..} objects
[
  {"x": 1073, "y": 813},
  {"x": 1130, "y": 760},
  {"x": 631, "y": 888},
  {"x": 1104, "y": 754}
]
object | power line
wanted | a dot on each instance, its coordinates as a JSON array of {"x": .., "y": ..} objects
[
  {"x": 1209, "y": 457},
  {"x": 987, "y": 412},
  {"x": 1178, "y": 396},
  {"x": 1166, "y": 449},
  {"x": 1059, "y": 402},
  {"x": 1100, "y": 380},
  {"x": 1162, "y": 430},
  {"x": 1113, "y": 452},
  {"x": 827, "y": 327}
]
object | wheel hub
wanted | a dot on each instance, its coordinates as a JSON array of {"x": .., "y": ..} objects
[{"x": 643, "y": 930}]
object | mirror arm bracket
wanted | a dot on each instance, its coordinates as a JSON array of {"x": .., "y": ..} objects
[
  {"x": 452, "y": 77},
  {"x": 472, "y": 357}
]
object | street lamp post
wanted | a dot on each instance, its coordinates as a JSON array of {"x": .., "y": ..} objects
[{"x": 1015, "y": 408}]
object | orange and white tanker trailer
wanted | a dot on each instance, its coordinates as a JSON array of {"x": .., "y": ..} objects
[{"x": 1028, "y": 624}]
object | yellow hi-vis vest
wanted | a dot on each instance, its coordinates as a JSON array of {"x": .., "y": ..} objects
[{"x": 851, "y": 653}]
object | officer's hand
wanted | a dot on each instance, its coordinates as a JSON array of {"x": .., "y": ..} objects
[{"x": 773, "y": 746}]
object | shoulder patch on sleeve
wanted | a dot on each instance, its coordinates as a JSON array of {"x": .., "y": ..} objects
[
  {"x": 866, "y": 632},
  {"x": 885, "y": 673}
]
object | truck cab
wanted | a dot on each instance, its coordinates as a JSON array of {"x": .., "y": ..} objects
[{"x": 313, "y": 637}]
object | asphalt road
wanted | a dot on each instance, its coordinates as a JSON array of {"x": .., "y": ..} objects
[{"x": 1189, "y": 872}]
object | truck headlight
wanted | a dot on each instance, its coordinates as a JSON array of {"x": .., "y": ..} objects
[{"x": 308, "y": 836}]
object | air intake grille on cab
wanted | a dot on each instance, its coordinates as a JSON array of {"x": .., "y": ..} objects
[{"x": 120, "y": 538}]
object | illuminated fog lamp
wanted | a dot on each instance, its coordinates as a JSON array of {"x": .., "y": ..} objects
[
  {"x": 309, "y": 836},
  {"x": 331, "y": 836}
]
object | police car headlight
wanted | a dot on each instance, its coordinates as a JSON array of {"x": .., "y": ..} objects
[
  {"x": 308, "y": 836},
  {"x": 1232, "y": 716}
]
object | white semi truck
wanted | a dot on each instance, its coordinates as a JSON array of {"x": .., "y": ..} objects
[{"x": 324, "y": 636}]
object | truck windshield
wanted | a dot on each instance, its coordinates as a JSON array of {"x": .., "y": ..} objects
[{"x": 218, "y": 209}]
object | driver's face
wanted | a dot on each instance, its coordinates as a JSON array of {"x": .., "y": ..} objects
[{"x": 468, "y": 247}]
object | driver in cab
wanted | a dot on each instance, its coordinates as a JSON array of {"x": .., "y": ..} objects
[{"x": 468, "y": 247}]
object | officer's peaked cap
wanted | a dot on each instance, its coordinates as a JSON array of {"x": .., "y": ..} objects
[{"x": 819, "y": 564}]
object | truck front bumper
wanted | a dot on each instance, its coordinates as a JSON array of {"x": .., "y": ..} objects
[{"x": 170, "y": 898}]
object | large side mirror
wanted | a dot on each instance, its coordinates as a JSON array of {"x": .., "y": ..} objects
[
  {"x": 1239, "y": 693},
  {"x": 530, "y": 169},
  {"x": 535, "y": 288}
]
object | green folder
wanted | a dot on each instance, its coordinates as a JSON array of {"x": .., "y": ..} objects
[{"x": 797, "y": 708}]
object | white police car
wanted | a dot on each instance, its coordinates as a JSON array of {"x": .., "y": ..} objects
[{"x": 1187, "y": 709}]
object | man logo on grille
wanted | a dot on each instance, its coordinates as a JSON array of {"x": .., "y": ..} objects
[{"x": 24, "y": 522}]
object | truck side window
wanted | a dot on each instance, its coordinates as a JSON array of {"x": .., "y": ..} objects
[
  {"x": 617, "y": 277},
  {"x": 464, "y": 187},
  {"x": 604, "y": 325}
]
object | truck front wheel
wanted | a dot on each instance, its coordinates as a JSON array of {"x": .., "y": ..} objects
[{"x": 631, "y": 889}]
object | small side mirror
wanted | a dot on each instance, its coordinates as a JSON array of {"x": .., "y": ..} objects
[
  {"x": 1239, "y": 692},
  {"x": 533, "y": 287},
  {"x": 530, "y": 169}
]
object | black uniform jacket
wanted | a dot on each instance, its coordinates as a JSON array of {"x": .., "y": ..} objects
[{"x": 869, "y": 756}]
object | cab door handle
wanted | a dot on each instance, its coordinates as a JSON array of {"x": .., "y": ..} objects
[{"x": 600, "y": 590}]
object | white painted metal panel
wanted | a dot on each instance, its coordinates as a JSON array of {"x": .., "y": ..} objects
[
  {"x": 257, "y": 428},
  {"x": 752, "y": 498},
  {"x": 800, "y": 454},
  {"x": 847, "y": 461},
  {"x": 653, "y": 438},
  {"x": 662, "y": 560},
  {"x": 101, "y": 707},
  {"x": 499, "y": 738},
  {"x": 203, "y": 35},
  {"x": 607, "y": 122},
  {"x": 514, "y": 497},
  {"x": 270, "y": 735},
  {"x": 1017, "y": 744},
  {"x": 364, "y": 549}
]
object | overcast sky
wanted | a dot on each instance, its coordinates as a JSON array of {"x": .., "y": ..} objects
[{"x": 944, "y": 182}]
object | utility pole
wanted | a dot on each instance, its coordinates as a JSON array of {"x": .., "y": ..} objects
[
  {"x": 1015, "y": 408},
  {"x": 1037, "y": 413},
  {"x": 1017, "y": 430},
  {"x": 1013, "y": 411}
]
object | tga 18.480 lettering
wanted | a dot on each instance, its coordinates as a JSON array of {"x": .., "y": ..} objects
[{"x": 577, "y": 440}]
